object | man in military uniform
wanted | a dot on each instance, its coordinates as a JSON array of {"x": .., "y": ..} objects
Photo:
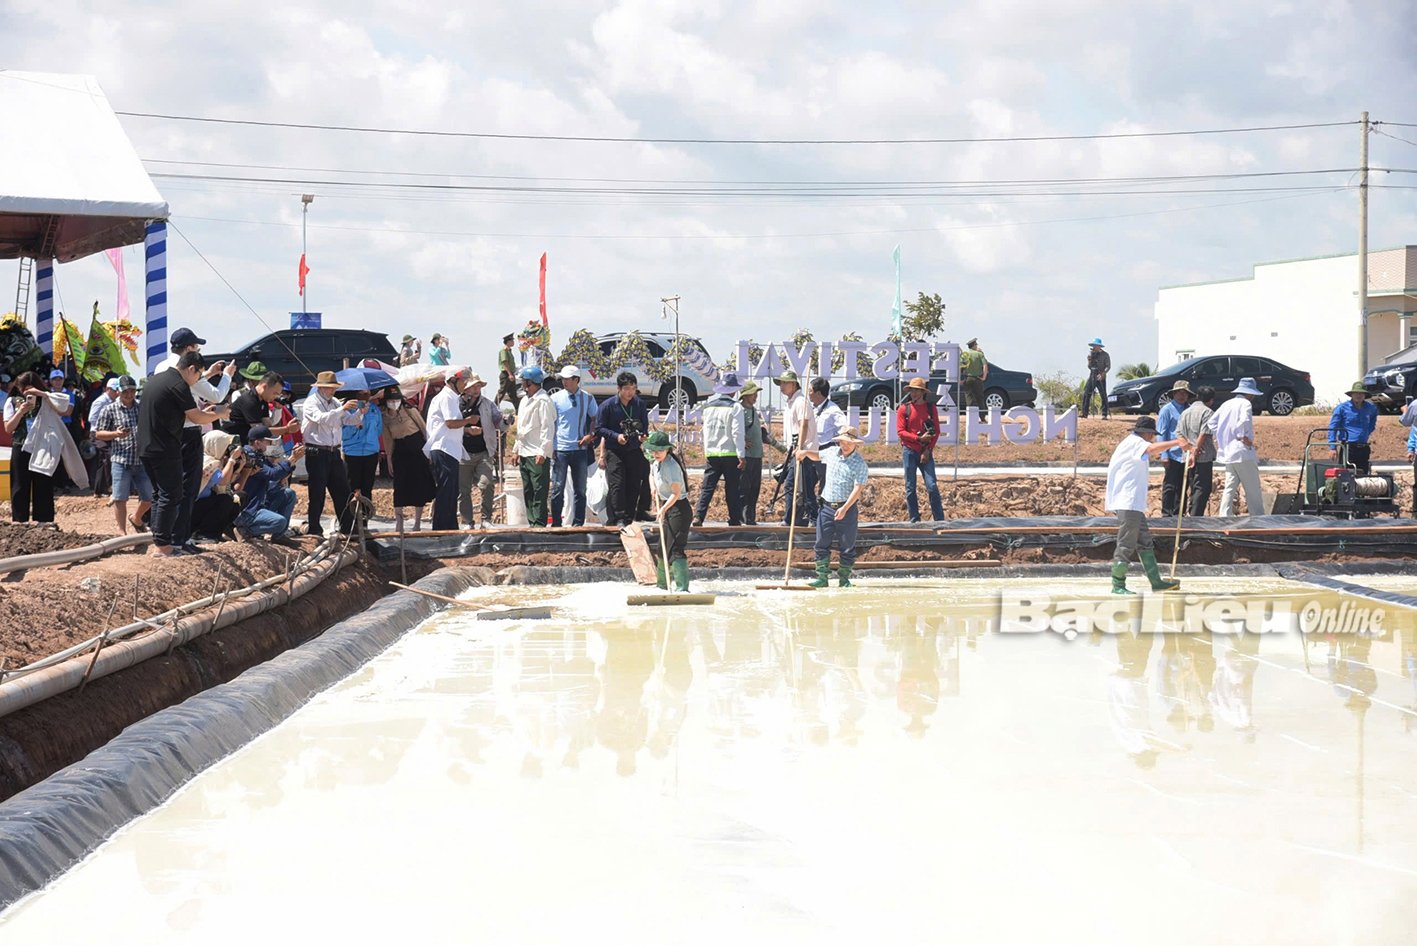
[
  {"x": 1098, "y": 364},
  {"x": 973, "y": 372}
]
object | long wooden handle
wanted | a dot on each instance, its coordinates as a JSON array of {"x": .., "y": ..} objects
[
  {"x": 443, "y": 598},
  {"x": 1180, "y": 515},
  {"x": 796, "y": 497}
]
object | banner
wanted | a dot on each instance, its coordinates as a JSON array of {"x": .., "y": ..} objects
[
  {"x": 69, "y": 345},
  {"x": 896, "y": 322},
  {"x": 305, "y": 320},
  {"x": 102, "y": 356},
  {"x": 115, "y": 257},
  {"x": 304, "y": 271},
  {"x": 544, "y": 321}
]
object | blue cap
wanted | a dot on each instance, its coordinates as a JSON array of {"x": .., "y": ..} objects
[
  {"x": 56, "y": 373},
  {"x": 532, "y": 373}
]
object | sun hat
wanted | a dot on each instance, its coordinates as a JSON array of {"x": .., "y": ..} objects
[
  {"x": 532, "y": 373},
  {"x": 407, "y": 339},
  {"x": 1357, "y": 388},
  {"x": 728, "y": 383},
  {"x": 917, "y": 383},
  {"x": 326, "y": 379},
  {"x": 750, "y": 388},
  {"x": 655, "y": 442},
  {"x": 255, "y": 371},
  {"x": 216, "y": 442},
  {"x": 1097, "y": 342},
  {"x": 1144, "y": 425},
  {"x": 785, "y": 377},
  {"x": 1247, "y": 386},
  {"x": 125, "y": 383},
  {"x": 258, "y": 432},
  {"x": 474, "y": 378},
  {"x": 1182, "y": 385},
  {"x": 851, "y": 434},
  {"x": 570, "y": 371}
]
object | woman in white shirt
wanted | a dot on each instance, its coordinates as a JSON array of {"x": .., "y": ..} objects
[{"x": 32, "y": 491}]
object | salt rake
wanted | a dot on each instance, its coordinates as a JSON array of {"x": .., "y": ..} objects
[
  {"x": 485, "y": 612},
  {"x": 787, "y": 584},
  {"x": 672, "y": 597}
]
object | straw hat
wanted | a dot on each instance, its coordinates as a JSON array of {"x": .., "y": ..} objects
[
  {"x": 849, "y": 434},
  {"x": 326, "y": 379},
  {"x": 1182, "y": 385},
  {"x": 918, "y": 384}
]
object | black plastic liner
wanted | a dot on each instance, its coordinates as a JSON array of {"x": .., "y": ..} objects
[
  {"x": 46, "y": 829},
  {"x": 1052, "y": 532}
]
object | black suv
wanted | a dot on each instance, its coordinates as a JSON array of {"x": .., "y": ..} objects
[
  {"x": 1284, "y": 388},
  {"x": 300, "y": 354},
  {"x": 1003, "y": 389},
  {"x": 1388, "y": 384}
]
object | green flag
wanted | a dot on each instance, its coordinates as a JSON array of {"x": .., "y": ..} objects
[
  {"x": 69, "y": 344},
  {"x": 102, "y": 356}
]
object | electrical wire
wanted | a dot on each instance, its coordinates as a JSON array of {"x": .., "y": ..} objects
[{"x": 606, "y": 139}]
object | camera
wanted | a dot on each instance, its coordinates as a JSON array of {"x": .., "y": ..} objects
[
  {"x": 630, "y": 427},
  {"x": 929, "y": 428}
]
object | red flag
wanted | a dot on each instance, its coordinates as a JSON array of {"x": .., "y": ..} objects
[
  {"x": 303, "y": 270},
  {"x": 544, "y": 321}
]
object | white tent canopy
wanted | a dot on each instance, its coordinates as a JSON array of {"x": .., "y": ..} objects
[{"x": 70, "y": 182}]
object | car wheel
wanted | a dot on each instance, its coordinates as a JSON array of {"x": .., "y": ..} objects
[
  {"x": 673, "y": 398},
  {"x": 996, "y": 399},
  {"x": 882, "y": 401},
  {"x": 1281, "y": 402}
]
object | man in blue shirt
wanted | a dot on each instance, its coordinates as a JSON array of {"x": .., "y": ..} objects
[
  {"x": 622, "y": 424},
  {"x": 838, "y": 511},
  {"x": 575, "y": 431},
  {"x": 1353, "y": 423},
  {"x": 1175, "y": 471},
  {"x": 267, "y": 502}
]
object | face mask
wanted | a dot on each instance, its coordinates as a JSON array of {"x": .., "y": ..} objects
[{"x": 393, "y": 403}]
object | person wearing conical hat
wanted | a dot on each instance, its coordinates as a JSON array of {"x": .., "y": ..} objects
[
  {"x": 1128, "y": 477},
  {"x": 1098, "y": 364},
  {"x": 839, "y": 511},
  {"x": 799, "y": 431},
  {"x": 1353, "y": 422},
  {"x": 1166, "y": 421}
]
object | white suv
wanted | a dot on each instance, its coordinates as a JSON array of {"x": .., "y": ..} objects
[{"x": 694, "y": 384}]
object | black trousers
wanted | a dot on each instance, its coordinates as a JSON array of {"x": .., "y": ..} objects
[
  {"x": 807, "y": 503},
  {"x": 676, "y": 532},
  {"x": 31, "y": 493},
  {"x": 726, "y": 469},
  {"x": 166, "y": 474},
  {"x": 191, "y": 483},
  {"x": 361, "y": 471},
  {"x": 1171, "y": 487},
  {"x": 750, "y": 486},
  {"x": 445, "y": 490},
  {"x": 1202, "y": 482},
  {"x": 1360, "y": 454},
  {"x": 215, "y": 516},
  {"x": 627, "y": 482},
  {"x": 1094, "y": 385},
  {"x": 325, "y": 468}
]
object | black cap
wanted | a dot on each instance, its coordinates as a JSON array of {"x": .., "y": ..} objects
[
  {"x": 184, "y": 337},
  {"x": 127, "y": 383},
  {"x": 1144, "y": 425},
  {"x": 258, "y": 432}
]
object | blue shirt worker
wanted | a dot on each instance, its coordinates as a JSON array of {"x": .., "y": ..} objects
[
  {"x": 267, "y": 502},
  {"x": 1353, "y": 422},
  {"x": 838, "y": 511},
  {"x": 576, "y": 414},
  {"x": 725, "y": 450},
  {"x": 362, "y": 441},
  {"x": 1173, "y": 480}
]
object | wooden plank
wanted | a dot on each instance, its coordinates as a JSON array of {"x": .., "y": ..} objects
[
  {"x": 669, "y": 599},
  {"x": 632, "y": 538},
  {"x": 784, "y": 588},
  {"x": 925, "y": 563}
]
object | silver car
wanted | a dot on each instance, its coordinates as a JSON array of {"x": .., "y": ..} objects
[{"x": 694, "y": 385}]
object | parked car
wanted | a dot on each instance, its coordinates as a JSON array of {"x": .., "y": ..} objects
[
  {"x": 1283, "y": 388},
  {"x": 1003, "y": 389},
  {"x": 300, "y": 354},
  {"x": 1387, "y": 384},
  {"x": 695, "y": 386}
]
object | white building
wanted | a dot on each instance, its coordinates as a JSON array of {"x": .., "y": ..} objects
[{"x": 1300, "y": 312}]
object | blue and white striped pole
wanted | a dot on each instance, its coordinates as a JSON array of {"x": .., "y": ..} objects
[
  {"x": 44, "y": 307},
  {"x": 155, "y": 252}
]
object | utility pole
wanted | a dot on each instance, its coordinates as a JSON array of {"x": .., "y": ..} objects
[
  {"x": 305, "y": 201},
  {"x": 1363, "y": 248},
  {"x": 671, "y": 304}
]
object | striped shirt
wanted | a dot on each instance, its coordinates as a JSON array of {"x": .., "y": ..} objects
[{"x": 118, "y": 416}]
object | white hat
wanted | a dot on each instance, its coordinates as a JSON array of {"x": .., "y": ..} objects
[{"x": 570, "y": 371}]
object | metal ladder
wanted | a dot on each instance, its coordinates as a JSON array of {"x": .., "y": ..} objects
[{"x": 22, "y": 291}]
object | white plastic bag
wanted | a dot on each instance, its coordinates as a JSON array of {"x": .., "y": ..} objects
[{"x": 596, "y": 492}]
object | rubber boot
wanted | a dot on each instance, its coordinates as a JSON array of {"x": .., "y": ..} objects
[
  {"x": 824, "y": 570},
  {"x": 1119, "y": 579},
  {"x": 680, "y": 569},
  {"x": 843, "y": 576},
  {"x": 659, "y": 580},
  {"x": 1153, "y": 574}
]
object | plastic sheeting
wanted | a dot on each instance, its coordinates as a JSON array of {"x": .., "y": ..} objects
[{"x": 46, "y": 829}]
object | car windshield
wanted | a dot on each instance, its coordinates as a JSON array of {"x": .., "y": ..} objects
[{"x": 1177, "y": 368}]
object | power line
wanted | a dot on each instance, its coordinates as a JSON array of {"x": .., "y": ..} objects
[{"x": 607, "y": 139}]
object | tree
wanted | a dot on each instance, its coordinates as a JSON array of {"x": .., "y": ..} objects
[
  {"x": 924, "y": 318},
  {"x": 1139, "y": 370},
  {"x": 1059, "y": 389}
]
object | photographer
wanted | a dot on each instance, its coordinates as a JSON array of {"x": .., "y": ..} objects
[
  {"x": 224, "y": 475},
  {"x": 917, "y": 424},
  {"x": 266, "y": 503},
  {"x": 34, "y": 420},
  {"x": 622, "y": 424}
]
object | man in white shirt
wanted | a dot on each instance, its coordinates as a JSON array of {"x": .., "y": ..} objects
[
  {"x": 1233, "y": 426},
  {"x": 1128, "y": 478},
  {"x": 322, "y": 421},
  {"x": 98, "y": 465},
  {"x": 799, "y": 429},
  {"x": 831, "y": 420},
  {"x": 211, "y": 388},
  {"x": 536, "y": 443},
  {"x": 445, "y": 448}
]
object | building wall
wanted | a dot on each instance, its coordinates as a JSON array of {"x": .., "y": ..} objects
[{"x": 1302, "y": 313}]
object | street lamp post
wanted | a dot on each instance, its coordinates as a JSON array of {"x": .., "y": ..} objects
[
  {"x": 671, "y": 304},
  {"x": 305, "y": 201}
]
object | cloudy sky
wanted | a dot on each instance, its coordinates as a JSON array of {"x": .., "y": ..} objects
[{"x": 1033, "y": 269}]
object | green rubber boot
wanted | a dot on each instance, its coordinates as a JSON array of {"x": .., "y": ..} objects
[
  {"x": 659, "y": 579},
  {"x": 1119, "y": 579},
  {"x": 824, "y": 570},
  {"x": 1153, "y": 574},
  {"x": 843, "y": 576},
  {"x": 680, "y": 569}
]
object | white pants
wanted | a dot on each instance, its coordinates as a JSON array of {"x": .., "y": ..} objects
[{"x": 1246, "y": 474}]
